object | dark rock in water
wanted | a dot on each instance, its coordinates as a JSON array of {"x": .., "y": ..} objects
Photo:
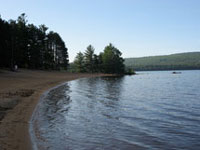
[{"x": 176, "y": 72}]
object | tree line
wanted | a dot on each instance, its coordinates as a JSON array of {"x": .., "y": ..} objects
[
  {"x": 29, "y": 46},
  {"x": 108, "y": 61}
]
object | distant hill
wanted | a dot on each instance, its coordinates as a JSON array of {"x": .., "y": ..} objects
[{"x": 181, "y": 61}]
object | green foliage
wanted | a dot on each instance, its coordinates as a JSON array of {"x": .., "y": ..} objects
[
  {"x": 79, "y": 62},
  {"x": 180, "y": 61},
  {"x": 96, "y": 63},
  {"x": 29, "y": 46},
  {"x": 129, "y": 71},
  {"x": 110, "y": 61},
  {"x": 89, "y": 59}
]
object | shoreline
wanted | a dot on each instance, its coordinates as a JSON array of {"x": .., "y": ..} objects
[
  {"x": 20, "y": 93},
  {"x": 33, "y": 133}
]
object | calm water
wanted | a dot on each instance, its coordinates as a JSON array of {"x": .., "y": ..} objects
[{"x": 152, "y": 110}]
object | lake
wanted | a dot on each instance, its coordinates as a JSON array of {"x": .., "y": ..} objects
[{"x": 152, "y": 110}]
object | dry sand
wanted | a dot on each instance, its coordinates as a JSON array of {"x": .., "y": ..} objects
[{"x": 19, "y": 94}]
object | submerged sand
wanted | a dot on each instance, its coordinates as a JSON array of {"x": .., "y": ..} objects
[{"x": 19, "y": 93}]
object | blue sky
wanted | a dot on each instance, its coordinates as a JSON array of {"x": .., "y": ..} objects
[{"x": 136, "y": 27}]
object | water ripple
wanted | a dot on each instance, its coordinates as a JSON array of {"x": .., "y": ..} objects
[{"x": 154, "y": 110}]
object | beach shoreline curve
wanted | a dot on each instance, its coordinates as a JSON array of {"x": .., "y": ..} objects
[{"x": 27, "y": 86}]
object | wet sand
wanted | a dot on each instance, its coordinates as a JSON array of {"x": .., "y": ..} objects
[{"x": 19, "y": 93}]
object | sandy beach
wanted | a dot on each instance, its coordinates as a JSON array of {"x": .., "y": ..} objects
[{"x": 19, "y": 94}]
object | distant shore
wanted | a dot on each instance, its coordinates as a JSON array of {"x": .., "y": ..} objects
[{"x": 19, "y": 94}]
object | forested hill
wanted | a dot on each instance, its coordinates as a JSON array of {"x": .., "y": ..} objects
[{"x": 181, "y": 61}]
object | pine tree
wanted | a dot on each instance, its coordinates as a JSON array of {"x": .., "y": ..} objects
[
  {"x": 79, "y": 62},
  {"x": 112, "y": 60},
  {"x": 29, "y": 46},
  {"x": 89, "y": 58}
]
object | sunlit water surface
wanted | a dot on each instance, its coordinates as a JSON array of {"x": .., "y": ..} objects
[{"x": 151, "y": 110}]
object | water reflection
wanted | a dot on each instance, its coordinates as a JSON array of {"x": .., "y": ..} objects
[
  {"x": 106, "y": 90},
  {"x": 151, "y": 111},
  {"x": 113, "y": 86}
]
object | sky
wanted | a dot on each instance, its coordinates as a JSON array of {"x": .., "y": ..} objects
[{"x": 136, "y": 27}]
